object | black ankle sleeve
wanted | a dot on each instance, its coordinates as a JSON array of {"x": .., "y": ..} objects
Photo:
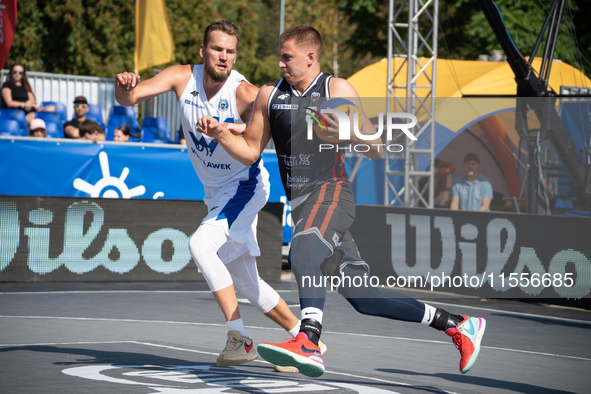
[
  {"x": 444, "y": 320},
  {"x": 312, "y": 328}
]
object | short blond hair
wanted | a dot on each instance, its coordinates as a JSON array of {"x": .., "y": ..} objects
[{"x": 303, "y": 34}]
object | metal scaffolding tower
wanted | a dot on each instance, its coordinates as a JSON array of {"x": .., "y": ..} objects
[{"x": 417, "y": 21}]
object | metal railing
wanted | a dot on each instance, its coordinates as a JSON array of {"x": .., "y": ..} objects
[{"x": 65, "y": 88}]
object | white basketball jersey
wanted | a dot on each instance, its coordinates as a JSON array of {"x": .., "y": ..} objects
[{"x": 214, "y": 166}]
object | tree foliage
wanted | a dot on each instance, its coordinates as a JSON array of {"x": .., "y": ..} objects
[{"x": 83, "y": 37}]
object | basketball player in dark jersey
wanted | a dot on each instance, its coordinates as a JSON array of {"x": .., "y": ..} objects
[{"x": 323, "y": 205}]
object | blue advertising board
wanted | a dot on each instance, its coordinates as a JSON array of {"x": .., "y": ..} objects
[{"x": 73, "y": 168}]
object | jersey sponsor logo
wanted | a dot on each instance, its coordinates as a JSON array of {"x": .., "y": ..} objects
[
  {"x": 283, "y": 96},
  {"x": 297, "y": 182},
  {"x": 194, "y": 104},
  {"x": 284, "y": 106},
  {"x": 223, "y": 105},
  {"x": 218, "y": 166},
  {"x": 194, "y": 93}
]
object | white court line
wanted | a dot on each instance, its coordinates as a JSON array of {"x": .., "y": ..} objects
[
  {"x": 280, "y": 329},
  {"x": 243, "y": 300},
  {"x": 432, "y": 389}
]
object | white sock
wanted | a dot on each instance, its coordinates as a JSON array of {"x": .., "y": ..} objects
[
  {"x": 295, "y": 330},
  {"x": 429, "y": 314},
  {"x": 312, "y": 313},
  {"x": 237, "y": 325}
]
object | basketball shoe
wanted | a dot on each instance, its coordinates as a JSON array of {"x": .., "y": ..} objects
[
  {"x": 238, "y": 350},
  {"x": 279, "y": 368},
  {"x": 467, "y": 336},
  {"x": 297, "y": 352}
]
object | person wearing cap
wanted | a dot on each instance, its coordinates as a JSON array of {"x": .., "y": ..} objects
[
  {"x": 72, "y": 128},
  {"x": 37, "y": 128}
]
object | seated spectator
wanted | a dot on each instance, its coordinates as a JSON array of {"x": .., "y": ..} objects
[
  {"x": 38, "y": 128},
  {"x": 91, "y": 130},
  {"x": 473, "y": 191},
  {"x": 17, "y": 93},
  {"x": 121, "y": 134},
  {"x": 72, "y": 127}
]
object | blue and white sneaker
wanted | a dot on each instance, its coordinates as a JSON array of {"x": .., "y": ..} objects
[{"x": 467, "y": 337}]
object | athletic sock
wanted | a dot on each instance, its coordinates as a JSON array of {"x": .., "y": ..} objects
[
  {"x": 294, "y": 331},
  {"x": 237, "y": 325},
  {"x": 312, "y": 313},
  {"x": 429, "y": 315}
]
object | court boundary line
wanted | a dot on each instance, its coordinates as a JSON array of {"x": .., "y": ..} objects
[
  {"x": 241, "y": 300},
  {"x": 280, "y": 329}
]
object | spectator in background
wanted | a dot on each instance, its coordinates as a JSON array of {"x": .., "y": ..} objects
[
  {"x": 182, "y": 137},
  {"x": 72, "y": 127},
  {"x": 17, "y": 93},
  {"x": 37, "y": 128},
  {"x": 90, "y": 130},
  {"x": 121, "y": 134},
  {"x": 442, "y": 183},
  {"x": 473, "y": 191}
]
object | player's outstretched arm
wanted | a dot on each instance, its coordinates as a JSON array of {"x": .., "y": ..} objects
[
  {"x": 130, "y": 91},
  {"x": 342, "y": 88},
  {"x": 247, "y": 148}
]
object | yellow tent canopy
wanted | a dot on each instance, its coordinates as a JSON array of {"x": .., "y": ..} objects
[
  {"x": 458, "y": 77},
  {"x": 489, "y": 122}
]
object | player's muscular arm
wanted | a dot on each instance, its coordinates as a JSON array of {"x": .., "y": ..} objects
[
  {"x": 130, "y": 91},
  {"x": 245, "y": 97},
  {"x": 342, "y": 88},
  {"x": 246, "y": 149}
]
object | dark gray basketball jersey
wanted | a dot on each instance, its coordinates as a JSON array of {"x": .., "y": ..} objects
[{"x": 302, "y": 165}]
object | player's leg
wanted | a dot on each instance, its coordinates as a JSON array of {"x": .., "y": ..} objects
[
  {"x": 309, "y": 249},
  {"x": 249, "y": 284},
  {"x": 204, "y": 245},
  {"x": 466, "y": 332}
]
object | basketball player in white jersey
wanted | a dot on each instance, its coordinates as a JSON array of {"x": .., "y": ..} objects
[{"x": 224, "y": 246}]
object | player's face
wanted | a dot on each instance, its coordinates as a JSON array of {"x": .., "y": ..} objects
[
  {"x": 293, "y": 60},
  {"x": 220, "y": 55}
]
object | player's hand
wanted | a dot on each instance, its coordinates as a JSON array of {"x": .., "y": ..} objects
[
  {"x": 126, "y": 81},
  {"x": 210, "y": 127},
  {"x": 203, "y": 122}
]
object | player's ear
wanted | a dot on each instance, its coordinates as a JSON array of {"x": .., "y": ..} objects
[
  {"x": 310, "y": 57},
  {"x": 201, "y": 50}
]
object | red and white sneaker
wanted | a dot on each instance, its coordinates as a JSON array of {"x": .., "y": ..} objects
[
  {"x": 467, "y": 337},
  {"x": 279, "y": 368},
  {"x": 297, "y": 352}
]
